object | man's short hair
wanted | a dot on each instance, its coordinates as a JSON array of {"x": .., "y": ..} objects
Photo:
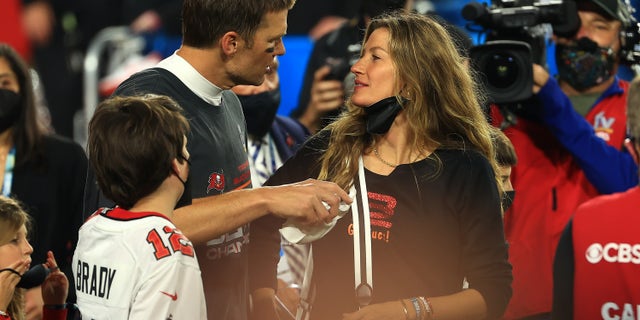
[
  {"x": 132, "y": 143},
  {"x": 205, "y": 21}
]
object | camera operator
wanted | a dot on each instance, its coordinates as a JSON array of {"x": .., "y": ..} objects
[
  {"x": 323, "y": 89},
  {"x": 569, "y": 149}
]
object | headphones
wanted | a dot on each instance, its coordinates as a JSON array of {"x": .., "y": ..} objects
[{"x": 629, "y": 35}]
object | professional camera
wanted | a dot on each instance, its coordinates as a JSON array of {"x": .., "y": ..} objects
[{"x": 515, "y": 39}]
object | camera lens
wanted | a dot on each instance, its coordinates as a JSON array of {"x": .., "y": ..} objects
[{"x": 502, "y": 70}]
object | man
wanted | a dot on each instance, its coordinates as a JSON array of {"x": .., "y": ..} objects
[
  {"x": 596, "y": 266},
  {"x": 152, "y": 271},
  {"x": 568, "y": 151},
  {"x": 227, "y": 43}
]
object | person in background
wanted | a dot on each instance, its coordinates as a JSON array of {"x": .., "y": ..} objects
[
  {"x": 569, "y": 141},
  {"x": 15, "y": 259},
  {"x": 271, "y": 140},
  {"x": 156, "y": 273},
  {"x": 507, "y": 159},
  {"x": 225, "y": 43},
  {"x": 595, "y": 272},
  {"x": 45, "y": 172},
  {"x": 403, "y": 123},
  {"x": 326, "y": 80}
]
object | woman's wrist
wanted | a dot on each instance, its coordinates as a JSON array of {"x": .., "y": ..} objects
[{"x": 55, "y": 306}]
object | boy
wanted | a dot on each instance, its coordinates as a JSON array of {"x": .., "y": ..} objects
[{"x": 131, "y": 262}]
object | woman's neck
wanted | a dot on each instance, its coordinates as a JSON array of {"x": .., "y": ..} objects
[{"x": 6, "y": 138}]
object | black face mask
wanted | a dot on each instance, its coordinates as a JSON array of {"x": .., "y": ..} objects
[
  {"x": 260, "y": 110},
  {"x": 381, "y": 114},
  {"x": 34, "y": 277},
  {"x": 507, "y": 199},
  {"x": 9, "y": 108},
  {"x": 186, "y": 198}
]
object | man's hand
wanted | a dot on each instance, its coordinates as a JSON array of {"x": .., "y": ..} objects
[
  {"x": 540, "y": 78},
  {"x": 303, "y": 201}
]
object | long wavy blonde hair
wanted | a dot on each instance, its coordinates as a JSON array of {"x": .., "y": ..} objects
[
  {"x": 12, "y": 218},
  {"x": 444, "y": 110}
]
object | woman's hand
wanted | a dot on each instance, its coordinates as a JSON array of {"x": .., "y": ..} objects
[
  {"x": 55, "y": 287},
  {"x": 382, "y": 311},
  {"x": 9, "y": 278}
]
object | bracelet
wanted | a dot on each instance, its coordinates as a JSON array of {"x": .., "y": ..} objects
[
  {"x": 4, "y": 316},
  {"x": 404, "y": 308},
  {"x": 427, "y": 307},
  {"x": 416, "y": 305}
]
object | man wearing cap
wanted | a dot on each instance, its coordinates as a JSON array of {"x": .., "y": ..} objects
[
  {"x": 569, "y": 145},
  {"x": 598, "y": 257}
]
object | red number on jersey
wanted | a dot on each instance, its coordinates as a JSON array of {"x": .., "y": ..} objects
[{"x": 178, "y": 242}]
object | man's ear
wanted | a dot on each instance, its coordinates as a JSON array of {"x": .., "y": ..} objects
[
  {"x": 229, "y": 42},
  {"x": 633, "y": 149}
]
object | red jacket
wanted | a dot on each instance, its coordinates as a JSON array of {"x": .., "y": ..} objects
[
  {"x": 607, "y": 257},
  {"x": 549, "y": 186}
]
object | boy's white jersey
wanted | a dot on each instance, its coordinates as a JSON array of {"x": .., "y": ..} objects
[{"x": 136, "y": 265}]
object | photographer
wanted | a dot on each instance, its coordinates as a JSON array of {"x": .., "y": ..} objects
[
  {"x": 323, "y": 90},
  {"x": 569, "y": 148}
]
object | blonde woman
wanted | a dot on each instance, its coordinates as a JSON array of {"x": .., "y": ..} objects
[
  {"x": 414, "y": 135},
  {"x": 15, "y": 259}
]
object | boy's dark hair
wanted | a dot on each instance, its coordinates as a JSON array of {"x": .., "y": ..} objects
[
  {"x": 132, "y": 141},
  {"x": 205, "y": 21},
  {"x": 505, "y": 153}
]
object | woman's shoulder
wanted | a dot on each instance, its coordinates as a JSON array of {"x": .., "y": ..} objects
[
  {"x": 462, "y": 157},
  {"x": 58, "y": 146}
]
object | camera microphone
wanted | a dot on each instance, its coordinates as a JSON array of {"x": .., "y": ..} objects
[{"x": 570, "y": 22}]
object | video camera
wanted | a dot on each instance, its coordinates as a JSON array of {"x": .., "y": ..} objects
[{"x": 515, "y": 40}]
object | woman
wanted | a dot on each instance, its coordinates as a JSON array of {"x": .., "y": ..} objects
[
  {"x": 45, "y": 172},
  {"x": 429, "y": 170},
  {"x": 15, "y": 258}
]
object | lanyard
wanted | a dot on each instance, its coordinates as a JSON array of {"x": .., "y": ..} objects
[
  {"x": 363, "y": 283},
  {"x": 8, "y": 172}
]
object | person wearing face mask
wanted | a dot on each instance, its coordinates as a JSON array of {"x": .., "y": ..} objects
[
  {"x": 569, "y": 145},
  {"x": 131, "y": 261},
  {"x": 507, "y": 159},
  {"x": 416, "y": 149},
  {"x": 15, "y": 258},
  {"x": 45, "y": 172},
  {"x": 596, "y": 264},
  {"x": 272, "y": 138}
]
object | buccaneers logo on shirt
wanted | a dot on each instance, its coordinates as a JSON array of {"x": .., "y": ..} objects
[{"x": 216, "y": 181}]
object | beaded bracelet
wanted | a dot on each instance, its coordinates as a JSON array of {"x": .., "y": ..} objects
[
  {"x": 404, "y": 308},
  {"x": 416, "y": 305},
  {"x": 427, "y": 307},
  {"x": 433, "y": 312}
]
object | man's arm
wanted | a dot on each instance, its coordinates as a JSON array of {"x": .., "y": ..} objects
[
  {"x": 208, "y": 218},
  {"x": 607, "y": 168}
]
